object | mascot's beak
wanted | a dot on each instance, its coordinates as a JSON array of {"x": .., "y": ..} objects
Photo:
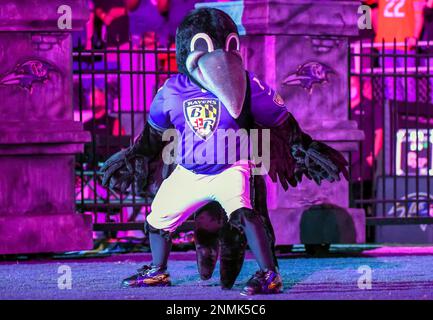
[{"x": 223, "y": 74}]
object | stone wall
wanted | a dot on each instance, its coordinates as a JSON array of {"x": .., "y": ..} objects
[{"x": 38, "y": 137}]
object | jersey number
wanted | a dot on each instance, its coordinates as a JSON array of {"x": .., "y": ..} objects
[{"x": 393, "y": 9}]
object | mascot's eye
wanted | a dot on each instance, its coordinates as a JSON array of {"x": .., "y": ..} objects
[
  {"x": 201, "y": 42},
  {"x": 232, "y": 42}
]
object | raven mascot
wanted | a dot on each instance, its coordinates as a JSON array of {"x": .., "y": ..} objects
[{"x": 207, "y": 53}]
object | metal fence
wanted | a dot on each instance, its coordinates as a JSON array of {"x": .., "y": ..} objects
[{"x": 391, "y": 99}]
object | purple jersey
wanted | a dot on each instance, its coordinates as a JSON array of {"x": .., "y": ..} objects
[{"x": 203, "y": 122}]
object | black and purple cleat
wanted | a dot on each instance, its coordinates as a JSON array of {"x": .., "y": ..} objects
[
  {"x": 263, "y": 282},
  {"x": 148, "y": 276}
]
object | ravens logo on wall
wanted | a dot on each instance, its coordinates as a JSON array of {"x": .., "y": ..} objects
[
  {"x": 309, "y": 74},
  {"x": 28, "y": 72}
]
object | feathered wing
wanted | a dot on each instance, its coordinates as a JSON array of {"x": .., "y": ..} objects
[{"x": 295, "y": 154}]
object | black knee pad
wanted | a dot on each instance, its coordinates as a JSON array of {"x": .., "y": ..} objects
[
  {"x": 149, "y": 229},
  {"x": 238, "y": 217}
]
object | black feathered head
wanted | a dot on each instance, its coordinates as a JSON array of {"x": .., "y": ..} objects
[{"x": 207, "y": 51}]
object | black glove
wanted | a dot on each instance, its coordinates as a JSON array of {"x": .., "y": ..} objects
[
  {"x": 318, "y": 162},
  {"x": 124, "y": 168},
  {"x": 132, "y": 165}
]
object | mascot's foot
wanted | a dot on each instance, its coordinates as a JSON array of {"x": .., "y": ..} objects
[
  {"x": 263, "y": 282},
  {"x": 148, "y": 276},
  {"x": 206, "y": 261}
]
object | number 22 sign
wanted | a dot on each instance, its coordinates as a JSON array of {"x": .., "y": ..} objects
[{"x": 394, "y": 9}]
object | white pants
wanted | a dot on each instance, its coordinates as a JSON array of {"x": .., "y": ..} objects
[{"x": 184, "y": 192}]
